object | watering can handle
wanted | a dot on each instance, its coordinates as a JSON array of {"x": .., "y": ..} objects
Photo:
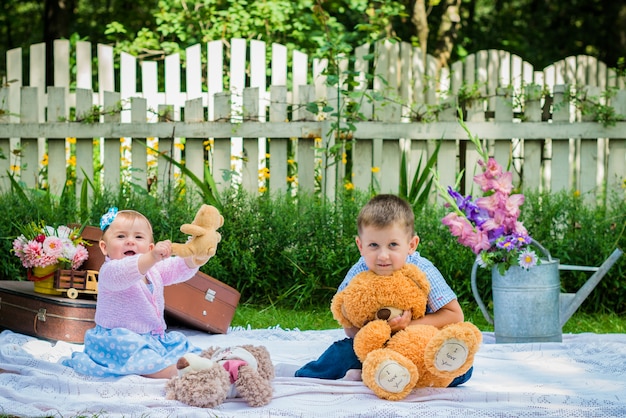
[
  {"x": 542, "y": 248},
  {"x": 479, "y": 301}
]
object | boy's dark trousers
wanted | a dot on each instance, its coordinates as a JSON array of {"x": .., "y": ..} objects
[{"x": 340, "y": 357}]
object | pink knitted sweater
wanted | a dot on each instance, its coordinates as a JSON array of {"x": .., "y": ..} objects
[{"x": 125, "y": 301}]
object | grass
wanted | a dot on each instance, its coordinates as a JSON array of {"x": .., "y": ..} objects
[{"x": 320, "y": 318}]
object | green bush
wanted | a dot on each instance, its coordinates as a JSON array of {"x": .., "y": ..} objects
[
  {"x": 284, "y": 250},
  {"x": 294, "y": 252},
  {"x": 580, "y": 234}
]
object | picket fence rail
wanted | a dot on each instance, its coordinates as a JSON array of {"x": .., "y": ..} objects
[{"x": 232, "y": 122}]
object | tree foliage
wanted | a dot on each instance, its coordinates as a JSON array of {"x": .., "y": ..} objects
[{"x": 540, "y": 31}]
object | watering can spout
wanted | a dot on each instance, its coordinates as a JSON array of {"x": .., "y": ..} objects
[{"x": 570, "y": 302}]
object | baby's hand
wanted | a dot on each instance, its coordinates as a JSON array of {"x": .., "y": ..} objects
[
  {"x": 401, "y": 322},
  {"x": 162, "y": 250}
]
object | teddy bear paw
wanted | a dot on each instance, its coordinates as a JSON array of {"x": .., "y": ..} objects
[
  {"x": 392, "y": 376},
  {"x": 452, "y": 355},
  {"x": 389, "y": 374}
]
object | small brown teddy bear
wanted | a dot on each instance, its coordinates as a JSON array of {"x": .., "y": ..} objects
[
  {"x": 208, "y": 379},
  {"x": 203, "y": 240},
  {"x": 419, "y": 355}
]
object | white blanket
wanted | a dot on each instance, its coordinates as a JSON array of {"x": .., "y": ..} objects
[{"x": 583, "y": 376}]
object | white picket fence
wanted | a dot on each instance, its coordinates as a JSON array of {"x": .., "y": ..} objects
[{"x": 551, "y": 147}]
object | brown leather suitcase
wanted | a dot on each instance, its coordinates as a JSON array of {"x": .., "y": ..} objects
[
  {"x": 92, "y": 235},
  {"x": 202, "y": 302},
  {"x": 44, "y": 316}
]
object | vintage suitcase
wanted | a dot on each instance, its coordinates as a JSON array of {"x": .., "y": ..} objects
[
  {"x": 92, "y": 235},
  {"x": 202, "y": 302},
  {"x": 44, "y": 316}
]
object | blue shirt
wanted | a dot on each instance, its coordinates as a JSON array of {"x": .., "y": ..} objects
[{"x": 440, "y": 293}]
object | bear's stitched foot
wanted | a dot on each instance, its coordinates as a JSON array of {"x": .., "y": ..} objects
[
  {"x": 391, "y": 376},
  {"x": 451, "y": 355}
]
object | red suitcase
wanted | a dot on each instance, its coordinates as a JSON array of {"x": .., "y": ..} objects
[
  {"x": 202, "y": 302},
  {"x": 45, "y": 316}
]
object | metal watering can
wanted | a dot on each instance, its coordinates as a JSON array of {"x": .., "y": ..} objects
[{"x": 528, "y": 304}]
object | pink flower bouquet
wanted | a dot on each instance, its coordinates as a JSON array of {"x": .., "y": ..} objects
[
  {"x": 489, "y": 225},
  {"x": 42, "y": 246}
]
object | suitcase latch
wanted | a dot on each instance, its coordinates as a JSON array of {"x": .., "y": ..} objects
[
  {"x": 210, "y": 295},
  {"x": 41, "y": 314}
]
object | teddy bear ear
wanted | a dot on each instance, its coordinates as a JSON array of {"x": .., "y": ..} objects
[{"x": 336, "y": 307}]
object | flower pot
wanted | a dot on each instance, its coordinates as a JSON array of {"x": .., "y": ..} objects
[{"x": 43, "y": 278}]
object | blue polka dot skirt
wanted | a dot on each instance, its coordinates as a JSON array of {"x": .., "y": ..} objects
[{"x": 119, "y": 352}]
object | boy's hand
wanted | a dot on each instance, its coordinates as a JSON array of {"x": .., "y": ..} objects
[{"x": 401, "y": 322}]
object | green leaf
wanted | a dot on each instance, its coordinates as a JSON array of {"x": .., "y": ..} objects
[
  {"x": 312, "y": 107},
  {"x": 418, "y": 192}
]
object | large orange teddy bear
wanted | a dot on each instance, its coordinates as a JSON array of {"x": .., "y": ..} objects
[{"x": 419, "y": 355}]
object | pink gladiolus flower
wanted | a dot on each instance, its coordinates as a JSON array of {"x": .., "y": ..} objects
[
  {"x": 492, "y": 203},
  {"x": 504, "y": 183},
  {"x": 457, "y": 224},
  {"x": 520, "y": 229},
  {"x": 477, "y": 241},
  {"x": 491, "y": 169},
  {"x": 484, "y": 182},
  {"x": 489, "y": 225}
]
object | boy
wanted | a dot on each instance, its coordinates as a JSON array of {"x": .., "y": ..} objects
[{"x": 387, "y": 240}]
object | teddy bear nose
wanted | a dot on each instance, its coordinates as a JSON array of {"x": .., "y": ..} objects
[{"x": 383, "y": 314}]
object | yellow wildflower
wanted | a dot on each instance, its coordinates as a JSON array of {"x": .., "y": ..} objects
[
  {"x": 180, "y": 146},
  {"x": 71, "y": 140},
  {"x": 15, "y": 168},
  {"x": 375, "y": 169},
  {"x": 262, "y": 189},
  {"x": 264, "y": 173},
  {"x": 349, "y": 185},
  {"x": 44, "y": 160}
]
